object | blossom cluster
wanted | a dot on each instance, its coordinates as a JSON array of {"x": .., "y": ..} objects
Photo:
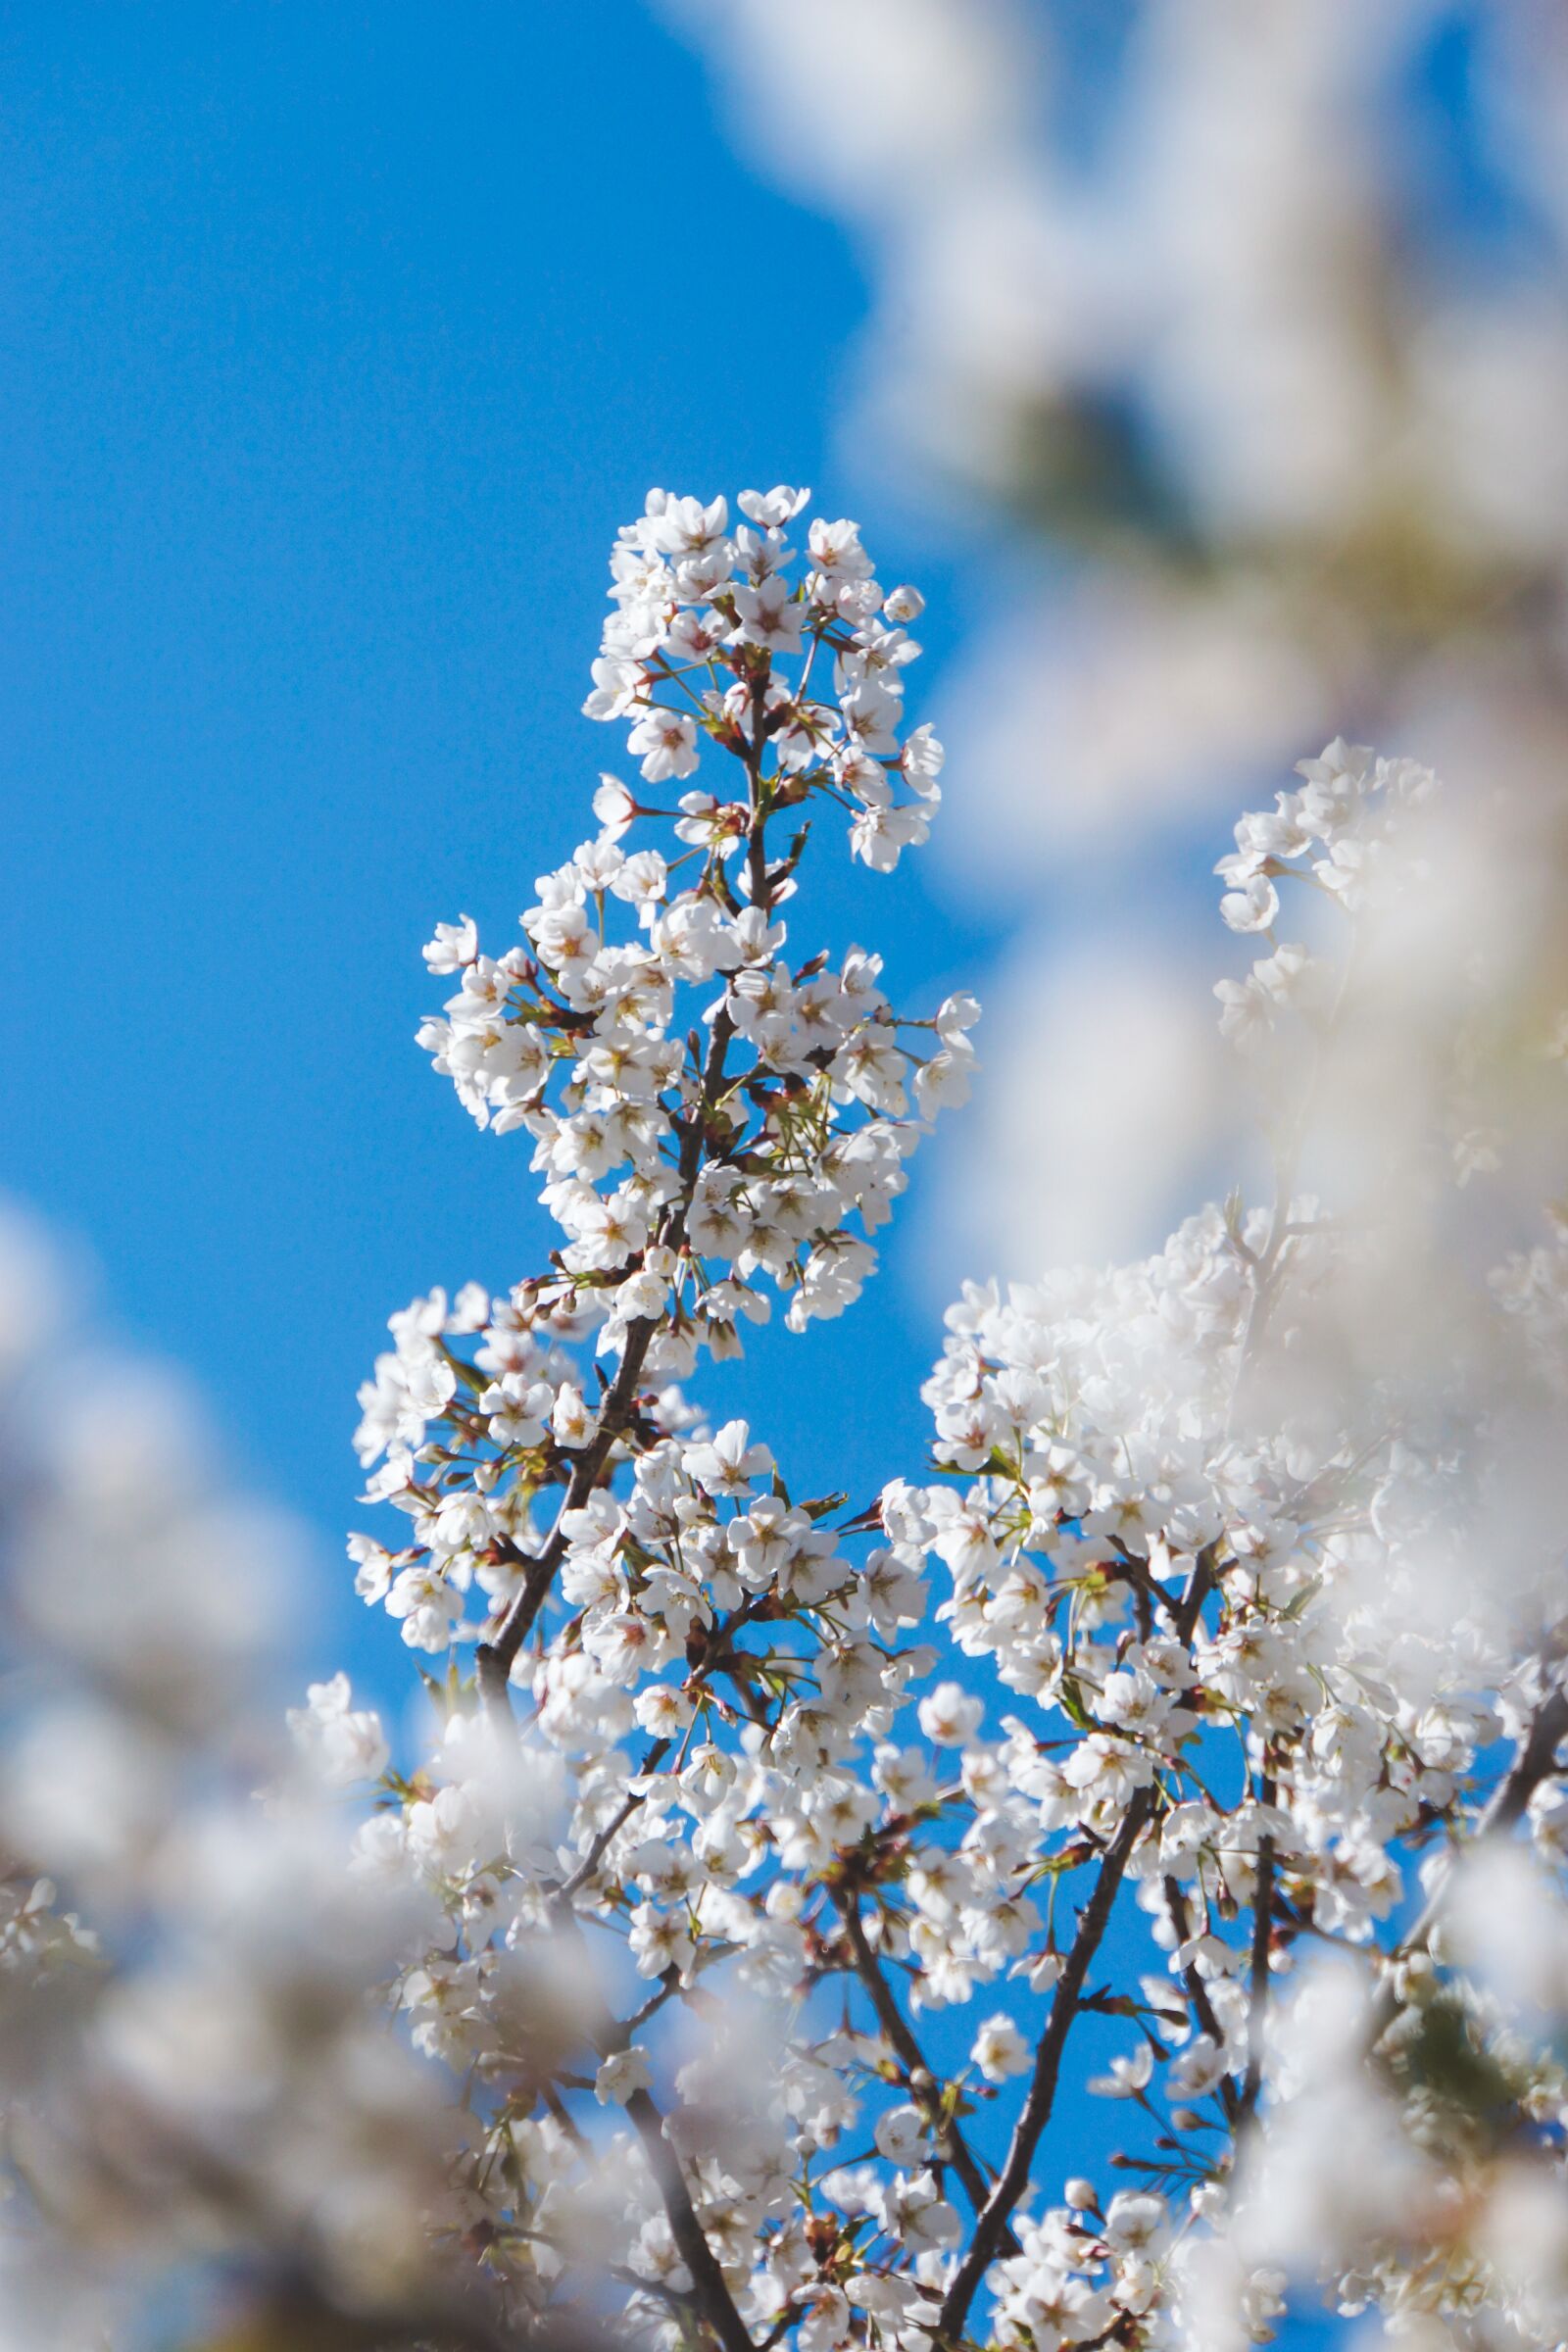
[
  {"x": 1185, "y": 1653},
  {"x": 715, "y": 1966},
  {"x": 712, "y": 1121},
  {"x": 1337, "y": 831}
]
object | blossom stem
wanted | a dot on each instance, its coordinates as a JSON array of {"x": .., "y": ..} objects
[
  {"x": 922, "y": 2082},
  {"x": 1013, "y": 2179},
  {"x": 1262, "y": 1930},
  {"x": 495, "y": 1658},
  {"x": 709, "y": 2291}
]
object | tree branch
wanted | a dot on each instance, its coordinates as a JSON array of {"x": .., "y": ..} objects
[
  {"x": 922, "y": 2082},
  {"x": 710, "y": 2290},
  {"x": 1262, "y": 1930},
  {"x": 1013, "y": 2177},
  {"x": 1534, "y": 1763},
  {"x": 494, "y": 1659},
  {"x": 1197, "y": 1990},
  {"x": 710, "y": 2293},
  {"x": 618, "y": 1821},
  {"x": 1198, "y": 1587}
]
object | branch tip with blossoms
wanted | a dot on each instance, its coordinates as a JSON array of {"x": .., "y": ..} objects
[{"x": 748, "y": 1162}]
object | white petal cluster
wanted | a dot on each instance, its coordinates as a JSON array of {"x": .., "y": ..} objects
[
  {"x": 713, "y": 1122},
  {"x": 1208, "y": 1643},
  {"x": 709, "y": 1115},
  {"x": 720, "y": 1960},
  {"x": 1337, "y": 831}
]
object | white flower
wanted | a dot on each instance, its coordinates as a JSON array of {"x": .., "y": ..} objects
[
  {"x": 347, "y": 1743},
  {"x": 429, "y": 1607},
  {"x": 572, "y": 1424},
  {"x": 620, "y": 2074},
  {"x": 1127, "y": 2075},
  {"x": 730, "y": 1464},
  {"x": 901, "y": 2135},
  {"x": 453, "y": 945},
  {"x": 665, "y": 742},
  {"x": 999, "y": 2049},
  {"x": 950, "y": 1716},
  {"x": 1252, "y": 906}
]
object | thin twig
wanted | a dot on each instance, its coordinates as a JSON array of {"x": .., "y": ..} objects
[
  {"x": 1198, "y": 1586},
  {"x": 494, "y": 1658},
  {"x": 709, "y": 2291},
  {"x": 616, "y": 1822},
  {"x": 1197, "y": 1990}
]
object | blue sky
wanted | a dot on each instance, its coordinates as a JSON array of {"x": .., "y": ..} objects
[{"x": 339, "y": 342}]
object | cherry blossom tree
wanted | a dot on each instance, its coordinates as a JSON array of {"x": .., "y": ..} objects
[{"x": 719, "y": 1973}]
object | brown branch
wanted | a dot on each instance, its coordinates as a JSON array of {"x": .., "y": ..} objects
[
  {"x": 495, "y": 1658},
  {"x": 1534, "y": 1763},
  {"x": 718, "y": 1657},
  {"x": 619, "y": 1819},
  {"x": 1198, "y": 1587},
  {"x": 711, "y": 2294},
  {"x": 710, "y": 2289},
  {"x": 1197, "y": 1990},
  {"x": 1149, "y": 1597},
  {"x": 1262, "y": 1930},
  {"x": 756, "y": 855},
  {"x": 922, "y": 2082},
  {"x": 1013, "y": 2179}
]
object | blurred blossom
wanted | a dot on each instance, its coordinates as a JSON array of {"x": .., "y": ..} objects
[
  {"x": 1129, "y": 1099},
  {"x": 1305, "y": 2193},
  {"x": 1504, "y": 1920},
  {"x": 198, "y": 2083},
  {"x": 1069, "y": 754},
  {"x": 1230, "y": 326},
  {"x": 847, "y": 102},
  {"x": 1270, "y": 359}
]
